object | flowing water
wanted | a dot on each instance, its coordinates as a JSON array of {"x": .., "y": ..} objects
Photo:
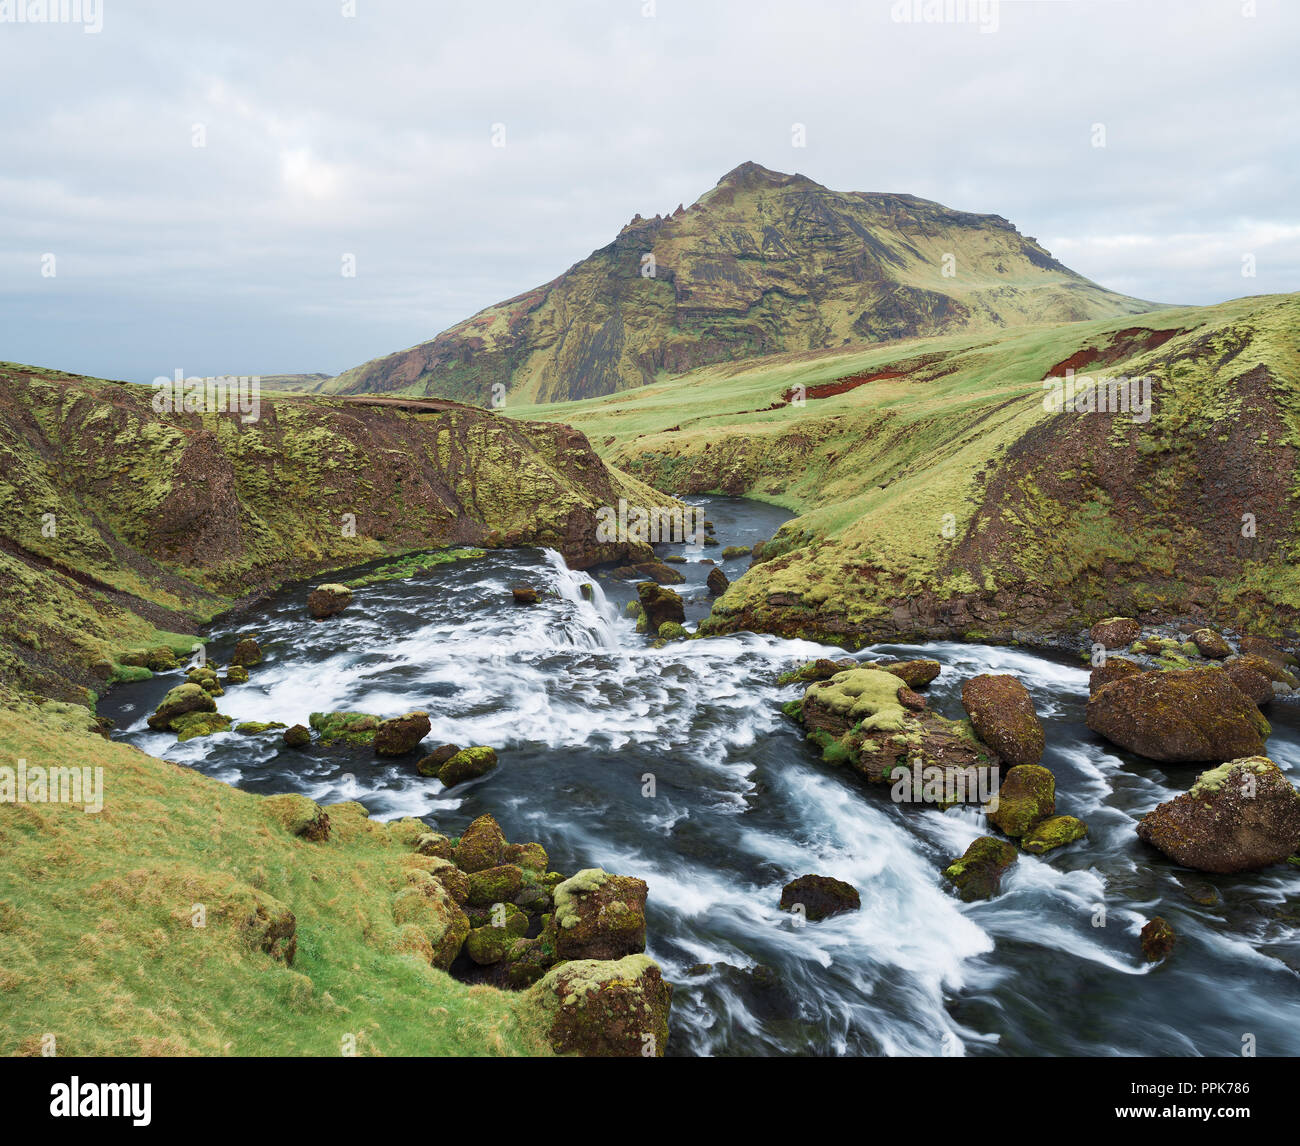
[{"x": 583, "y": 712}]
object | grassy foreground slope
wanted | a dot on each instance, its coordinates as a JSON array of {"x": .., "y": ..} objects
[
  {"x": 938, "y": 497},
  {"x": 98, "y": 946},
  {"x": 124, "y": 528}
]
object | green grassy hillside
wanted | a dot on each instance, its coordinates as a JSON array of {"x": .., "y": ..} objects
[{"x": 938, "y": 497}]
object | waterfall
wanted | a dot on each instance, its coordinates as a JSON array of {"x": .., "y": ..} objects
[{"x": 595, "y": 623}]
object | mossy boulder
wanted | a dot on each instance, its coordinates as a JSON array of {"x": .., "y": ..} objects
[
  {"x": 1241, "y": 816},
  {"x": 1253, "y": 676},
  {"x": 236, "y": 674},
  {"x": 193, "y": 724},
  {"x": 247, "y": 652},
  {"x": 599, "y": 916},
  {"x": 978, "y": 873},
  {"x": 498, "y": 884},
  {"x": 326, "y": 600},
  {"x": 351, "y": 729},
  {"x": 161, "y": 659},
  {"x": 298, "y": 815},
  {"x": 1115, "y": 632},
  {"x": 1002, "y": 713},
  {"x": 298, "y": 736},
  {"x": 530, "y": 857},
  {"x": 430, "y": 764},
  {"x": 257, "y": 727},
  {"x": 1114, "y": 669},
  {"x": 659, "y": 605},
  {"x": 1261, "y": 647},
  {"x": 435, "y": 844},
  {"x": 183, "y": 699},
  {"x": 400, "y": 735},
  {"x": 820, "y": 896},
  {"x": 605, "y": 1008},
  {"x": 1211, "y": 644},
  {"x": 1027, "y": 796},
  {"x": 1053, "y": 832},
  {"x": 672, "y": 631},
  {"x": 916, "y": 674},
  {"x": 467, "y": 764},
  {"x": 716, "y": 582},
  {"x": 659, "y": 573},
  {"x": 482, "y": 845},
  {"x": 525, "y": 595},
  {"x": 1276, "y": 673},
  {"x": 205, "y": 676},
  {"x": 491, "y": 942},
  {"x": 1179, "y": 716},
  {"x": 429, "y": 907},
  {"x": 821, "y": 669},
  {"x": 732, "y": 551},
  {"x": 1157, "y": 939}
]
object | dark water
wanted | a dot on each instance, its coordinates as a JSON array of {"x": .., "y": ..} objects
[{"x": 581, "y": 710}]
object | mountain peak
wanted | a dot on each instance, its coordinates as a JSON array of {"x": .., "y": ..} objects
[{"x": 750, "y": 175}]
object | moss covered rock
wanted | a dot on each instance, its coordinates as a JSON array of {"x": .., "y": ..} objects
[
  {"x": 1115, "y": 632},
  {"x": 205, "y": 676},
  {"x": 428, "y": 906},
  {"x": 182, "y": 699},
  {"x": 236, "y": 674},
  {"x": 1113, "y": 669},
  {"x": 326, "y": 600},
  {"x": 298, "y": 736},
  {"x": 732, "y": 551},
  {"x": 247, "y": 652},
  {"x": 605, "y": 1008},
  {"x": 193, "y": 724},
  {"x": 482, "y": 846},
  {"x": 716, "y": 582},
  {"x": 1241, "y": 816},
  {"x": 672, "y": 631},
  {"x": 399, "y": 735},
  {"x": 1194, "y": 715},
  {"x": 1027, "y": 796},
  {"x": 599, "y": 916},
  {"x": 1157, "y": 940},
  {"x": 525, "y": 595},
  {"x": 1002, "y": 713},
  {"x": 1053, "y": 832},
  {"x": 430, "y": 764},
  {"x": 1253, "y": 676},
  {"x": 916, "y": 674},
  {"x": 498, "y": 884},
  {"x": 1211, "y": 644},
  {"x": 256, "y": 727},
  {"x": 467, "y": 764},
  {"x": 298, "y": 815},
  {"x": 352, "y": 729},
  {"x": 978, "y": 873},
  {"x": 659, "y": 605},
  {"x": 821, "y": 896}
]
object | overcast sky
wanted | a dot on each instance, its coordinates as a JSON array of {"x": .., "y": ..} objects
[{"x": 372, "y": 135}]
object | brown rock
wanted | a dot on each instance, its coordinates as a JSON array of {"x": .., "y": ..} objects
[
  {"x": 821, "y": 896},
  {"x": 326, "y": 600},
  {"x": 660, "y": 605},
  {"x": 1002, "y": 713},
  {"x": 525, "y": 595},
  {"x": 1211, "y": 644},
  {"x": 1116, "y": 632},
  {"x": 401, "y": 734},
  {"x": 1157, "y": 940},
  {"x": 1113, "y": 669},
  {"x": 717, "y": 582}
]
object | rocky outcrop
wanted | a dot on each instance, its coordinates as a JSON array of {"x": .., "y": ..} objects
[
  {"x": 659, "y": 605},
  {"x": 1241, "y": 816},
  {"x": 1197, "y": 715},
  {"x": 1002, "y": 713},
  {"x": 818, "y": 897}
]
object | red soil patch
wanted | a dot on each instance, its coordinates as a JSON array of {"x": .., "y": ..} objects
[{"x": 1126, "y": 343}]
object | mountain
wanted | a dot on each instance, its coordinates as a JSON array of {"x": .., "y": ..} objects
[{"x": 763, "y": 263}]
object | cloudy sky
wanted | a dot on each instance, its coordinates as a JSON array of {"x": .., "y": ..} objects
[{"x": 326, "y": 134}]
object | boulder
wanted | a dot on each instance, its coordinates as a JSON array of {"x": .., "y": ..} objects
[
  {"x": 1157, "y": 940},
  {"x": 1179, "y": 716},
  {"x": 916, "y": 674},
  {"x": 1276, "y": 673},
  {"x": 1002, "y": 713},
  {"x": 180, "y": 700},
  {"x": 672, "y": 631},
  {"x": 1259, "y": 647},
  {"x": 1027, "y": 796},
  {"x": 821, "y": 669},
  {"x": 660, "y": 605},
  {"x": 191, "y": 724},
  {"x": 353, "y": 729},
  {"x": 1253, "y": 676},
  {"x": 659, "y": 573},
  {"x": 1115, "y": 632},
  {"x": 716, "y": 582},
  {"x": 599, "y": 916},
  {"x": 498, "y": 884},
  {"x": 978, "y": 873},
  {"x": 821, "y": 896},
  {"x": 430, "y": 764},
  {"x": 429, "y": 921},
  {"x": 735, "y": 551},
  {"x": 1113, "y": 669},
  {"x": 467, "y": 764},
  {"x": 298, "y": 815},
  {"x": 605, "y": 1008},
  {"x": 482, "y": 846},
  {"x": 1053, "y": 832},
  {"x": 247, "y": 652},
  {"x": 236, "y": 674},
  {"x": 1210, "y": 644},
  {"x": 299, "y": 736},
  {"x": 1241, "y": 816},
  {"x": 525, "y": 595},
  {"x": 326, "y": 600},
  {"x": 206, "y": 678},
  {"x": 401, "y": 734},
  {"x": 161, "y": 659}
]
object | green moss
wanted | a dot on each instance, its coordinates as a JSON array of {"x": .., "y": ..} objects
[
  {"x": 565, "y": 895},
  {"x": 866, "y": 697}
]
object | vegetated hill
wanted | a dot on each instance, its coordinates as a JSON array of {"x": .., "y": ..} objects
[
  {"x": 120, "y": 520},
  {"x": 939, "y": 498},
  {"x": 294, "y": 383},
  {"x": 762, "y": 263}
]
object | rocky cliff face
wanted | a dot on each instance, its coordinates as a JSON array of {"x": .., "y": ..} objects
[
  {"x": 761, "y": 264},
  {"x": 119, "y": 520}
]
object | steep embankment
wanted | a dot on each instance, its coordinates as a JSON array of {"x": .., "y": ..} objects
[
  {"x": 186, "y": 917},
  {"x": 119, "y": 520},
  {"x": 939, "y": 498},
  {"x": 762, "y": 263}
]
